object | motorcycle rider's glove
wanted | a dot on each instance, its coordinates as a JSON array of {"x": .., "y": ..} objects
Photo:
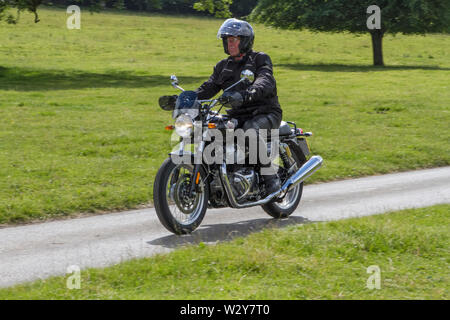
[{"x": 233, "y": 99}]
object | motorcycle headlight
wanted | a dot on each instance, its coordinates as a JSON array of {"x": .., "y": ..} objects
[{"x": 184, "y": 126}]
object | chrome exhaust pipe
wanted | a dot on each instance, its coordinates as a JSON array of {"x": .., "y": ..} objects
[
  {"x": 298, "y": 177},
  {"x": 303, "y": 173}
]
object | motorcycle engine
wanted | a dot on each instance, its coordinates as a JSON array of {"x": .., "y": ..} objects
[{"x": 244, "y": 182}]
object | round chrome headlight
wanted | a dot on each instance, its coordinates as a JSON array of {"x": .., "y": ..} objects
[{"x": 184, "y": 125}]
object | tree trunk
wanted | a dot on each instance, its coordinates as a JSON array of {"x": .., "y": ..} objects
[{"x": 377, "y": 47}]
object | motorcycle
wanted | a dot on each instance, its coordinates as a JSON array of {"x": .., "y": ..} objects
[{"x": 184, "y": 190}]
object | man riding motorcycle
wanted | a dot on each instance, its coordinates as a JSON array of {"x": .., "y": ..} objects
[
  {"x": 182, "y": 192},
  {"x": 255, "y": 106}
]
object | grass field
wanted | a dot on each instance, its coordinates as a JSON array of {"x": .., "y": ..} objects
[
  {"x": 310, "y": 261},
  {"x": 81, "y": 130}
]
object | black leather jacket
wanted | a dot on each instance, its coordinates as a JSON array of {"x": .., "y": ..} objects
[{"x": 261, "y": 95}]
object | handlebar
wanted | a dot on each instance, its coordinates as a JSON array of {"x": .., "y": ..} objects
[{"x": 214, "y": 101}]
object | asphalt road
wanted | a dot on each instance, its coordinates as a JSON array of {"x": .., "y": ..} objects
[{"x": 41, "y": 250}]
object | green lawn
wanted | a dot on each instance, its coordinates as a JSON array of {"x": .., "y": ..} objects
[
  {"x": 310, "y": 261},
  {"x": 81, "y": 130}
]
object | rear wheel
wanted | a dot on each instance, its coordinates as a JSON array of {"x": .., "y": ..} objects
[
  {"x": 283, "y": 208},
  {"x": 178, "y": 211}
]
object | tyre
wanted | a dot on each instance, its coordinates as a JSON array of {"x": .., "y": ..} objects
[
  {"x": 177, "y": 211},
  {"x": 284, "y": 208}
]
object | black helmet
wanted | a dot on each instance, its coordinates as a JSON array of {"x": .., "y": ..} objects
[{"x": 237, "y": 28}]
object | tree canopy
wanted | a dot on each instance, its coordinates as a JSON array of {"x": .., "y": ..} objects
[
  {"x": 397, "y": 16},
  {"x": 226, "y": 8},
  {"x": 405, "y": 16}
]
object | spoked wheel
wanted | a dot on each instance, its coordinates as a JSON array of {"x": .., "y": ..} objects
[
  {"x": 289, "y": 202},
  {"x": 178, "y": 211}
]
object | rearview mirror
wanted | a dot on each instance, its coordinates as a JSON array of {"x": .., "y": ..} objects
[
  {"x": 248, "y": 75},
  {"x": 174, "y": 80}
]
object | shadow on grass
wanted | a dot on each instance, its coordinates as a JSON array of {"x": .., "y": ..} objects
[
  {"x": 22, "y": 79},
  {"x": 352, "y": 68},
  {"x": 225, "y": 232}
]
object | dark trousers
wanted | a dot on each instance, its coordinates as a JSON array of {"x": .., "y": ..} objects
[{"x": 261, "y": 121}]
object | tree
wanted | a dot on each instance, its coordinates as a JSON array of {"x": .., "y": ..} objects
[
  {"x": 397, "y": 16},
  {"x": 226, "y": 8},
  {"x": 219, "y": 8},
  {"x": 242, "y": 8},
  {"x": 20, "y": 5}
]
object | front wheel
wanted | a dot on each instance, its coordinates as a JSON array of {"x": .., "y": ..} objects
[{"x": 179, "y": 212}]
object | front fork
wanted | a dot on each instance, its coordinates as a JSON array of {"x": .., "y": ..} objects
[{"x": 195, "y": 179}]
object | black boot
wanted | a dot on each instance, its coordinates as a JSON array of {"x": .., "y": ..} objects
[{"x": 271, "y": 183}]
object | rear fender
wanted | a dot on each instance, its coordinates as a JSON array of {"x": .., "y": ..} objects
[{"x": 299, "y": 147}]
